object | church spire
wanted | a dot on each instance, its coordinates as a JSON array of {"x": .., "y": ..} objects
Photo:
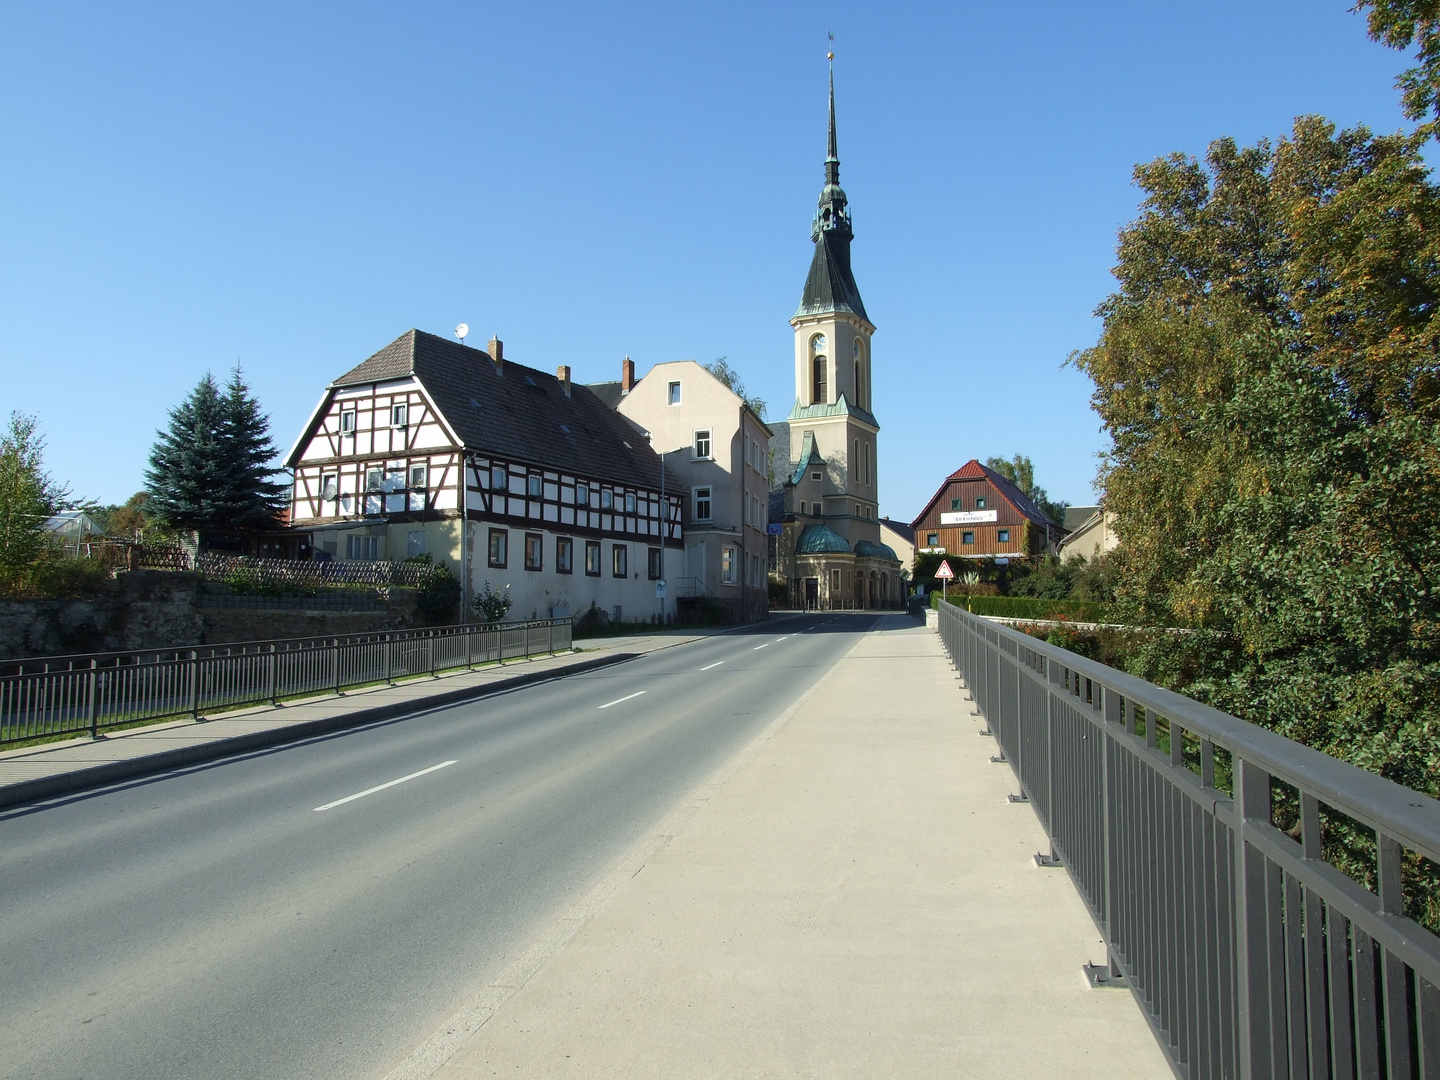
[
  {"x": 832, "y": 159},
  {"x": 831, "y": 215}
]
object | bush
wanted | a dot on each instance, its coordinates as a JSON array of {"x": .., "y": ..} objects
[
  {"x": 439, "y": 596},
  {"x": 1025, "y": 607}
]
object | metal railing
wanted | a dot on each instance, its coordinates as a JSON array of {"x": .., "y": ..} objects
[
  {"x": 1251, "y": 956},
  {"x": 76, "y": 695}
]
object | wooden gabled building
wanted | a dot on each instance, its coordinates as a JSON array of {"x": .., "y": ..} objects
[
  {"x": 979, "y": 514},
  {"x": 510, "y": 475}
]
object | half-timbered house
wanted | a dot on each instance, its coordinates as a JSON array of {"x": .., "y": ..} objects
[
  {"x": 515, "y": 477},
  {"x": 979, "y": 514}
]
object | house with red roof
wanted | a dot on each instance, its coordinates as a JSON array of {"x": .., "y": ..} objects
[{"x": 979, "y": 514}]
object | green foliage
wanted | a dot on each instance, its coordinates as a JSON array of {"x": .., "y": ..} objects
[
  {"x": 28, "y": 496},
  {"x": 731, "y": 378},
  {"x": 209, "y": 470},
  {"x": 1025, "y": 607},
  {"x": 439, "y": 596},
  {"x": 491, "y": 606},
  {"x": 1268, "y": 373},
  {"x": 1400, "y": 24},
  {"x": 1020, "y": 471}
]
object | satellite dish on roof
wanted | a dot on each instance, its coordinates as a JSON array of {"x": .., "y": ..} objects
[{"x": 462, "y": 330}]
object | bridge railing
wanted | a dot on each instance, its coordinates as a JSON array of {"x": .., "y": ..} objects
[
  {"x": 88, "y": 694},
  {"x": 1251, "y": 955}
]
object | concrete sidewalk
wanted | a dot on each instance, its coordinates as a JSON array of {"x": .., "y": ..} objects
[
  {"x": 38, "y": 772},
  {"x": 853, "y": 896}
]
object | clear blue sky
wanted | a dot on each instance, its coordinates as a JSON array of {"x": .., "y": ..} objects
[{"x": 295, "y": 185}]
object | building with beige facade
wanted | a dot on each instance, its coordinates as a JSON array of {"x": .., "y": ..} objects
[{"x": 717, "y": 446}]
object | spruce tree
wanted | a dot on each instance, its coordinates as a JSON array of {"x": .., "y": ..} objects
[{"x": 209, "y": 469}]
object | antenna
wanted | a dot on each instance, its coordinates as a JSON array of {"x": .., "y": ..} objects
[{"x": 461, "y": 331}]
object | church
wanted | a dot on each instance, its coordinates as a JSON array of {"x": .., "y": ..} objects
[{"x": 824, "y": 515}]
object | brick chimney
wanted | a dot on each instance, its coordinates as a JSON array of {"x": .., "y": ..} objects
[
  {"x": 562, "y": 373},
  {"x": 627, "y": 376},
  {"x": 497, "y": 352}
]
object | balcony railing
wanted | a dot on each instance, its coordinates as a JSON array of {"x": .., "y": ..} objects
[{"x": 1252, "y": 956}]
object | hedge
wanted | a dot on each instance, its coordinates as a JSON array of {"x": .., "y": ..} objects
[{"x": 1026, "y": 607}]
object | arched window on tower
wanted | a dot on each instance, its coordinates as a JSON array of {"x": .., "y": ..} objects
[
  {"x": 820, "y": 391},
  {"x": 862, "y": 391}
]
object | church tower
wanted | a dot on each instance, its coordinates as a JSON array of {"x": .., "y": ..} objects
[{"x": 832, "y": 491}]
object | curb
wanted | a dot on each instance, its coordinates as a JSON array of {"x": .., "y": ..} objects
[{"x": 66, "y": 783}]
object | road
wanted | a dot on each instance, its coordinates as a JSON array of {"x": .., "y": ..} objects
[{"x": 299, "y": 913}]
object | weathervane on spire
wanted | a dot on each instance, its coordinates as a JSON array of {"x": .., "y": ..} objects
[{"x": 831, "y": 54}]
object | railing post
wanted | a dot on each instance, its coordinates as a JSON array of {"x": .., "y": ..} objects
[
  {"x": 335, "y": 664},
  {"x": 271, "y": 676},
  {"x": 430, "y": 651},
  {"x": 1251, "y": 802},
  {"x": 469, "y": 647},
  {"x": 194, "y": 668},
  {"x": 92, "y": 703},
  {"x": 389, "y": 640}
]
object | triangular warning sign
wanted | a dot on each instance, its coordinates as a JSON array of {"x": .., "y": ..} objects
[{"x": 944, "y": 570}]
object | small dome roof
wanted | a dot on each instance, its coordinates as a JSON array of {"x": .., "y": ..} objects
[
  {"x": 871, "y": 550},
  {"x": 820, "y": 540}
]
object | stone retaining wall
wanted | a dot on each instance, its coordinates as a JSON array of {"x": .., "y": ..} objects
[{"x": 155, "y": 609}]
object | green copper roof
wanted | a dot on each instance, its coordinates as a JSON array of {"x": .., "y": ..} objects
[
  {"x": 823, "y": 412},
  {"x": 870, "y": 550},
  {"x": 821, "y": 540},
  {"x": 808, "y": 456}
]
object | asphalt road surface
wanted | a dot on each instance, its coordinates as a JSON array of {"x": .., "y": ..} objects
[{"x": 318, "y": 909}]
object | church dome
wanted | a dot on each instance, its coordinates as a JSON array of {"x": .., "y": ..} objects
[{"x": 821, "y": 540}]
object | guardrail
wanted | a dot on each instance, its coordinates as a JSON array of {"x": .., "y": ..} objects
[
  {"x": 76, "y": 695},
  {"x": 1251, "y": 956}
]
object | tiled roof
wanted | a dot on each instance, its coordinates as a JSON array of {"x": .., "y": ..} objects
[
  {"x": 516, "y": 411},
  {"x": 902, "y": 529},
  {"x": 973, "y": 470},
  {"x": 611, "y": 393},
  {"x": 830, "y": 285}
]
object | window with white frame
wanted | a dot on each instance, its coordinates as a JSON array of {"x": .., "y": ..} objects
[
  {"x": 418, "y": 476},
  {"x": 399, "y": 415},
  {"x": 701, "y": 497},
  {"x": 630, "y": 502},
  {"x": 499, "y": 548},
  {"x": 727, "y": 565},
  {"x": 330, "y": 487},
  {"x": 674, "y": 393},
  {"x": 582, "y": 494},
  {"x": 347, "y": 420},
  {"x": 499, "y": 479},
  {"x": 362, "y": 547},
  {"x": 375, "y": 479},
  {"x": 702, "y": 443},
  {"x": 607, "y": 499},
  {"x": 533, "y": 485}
]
